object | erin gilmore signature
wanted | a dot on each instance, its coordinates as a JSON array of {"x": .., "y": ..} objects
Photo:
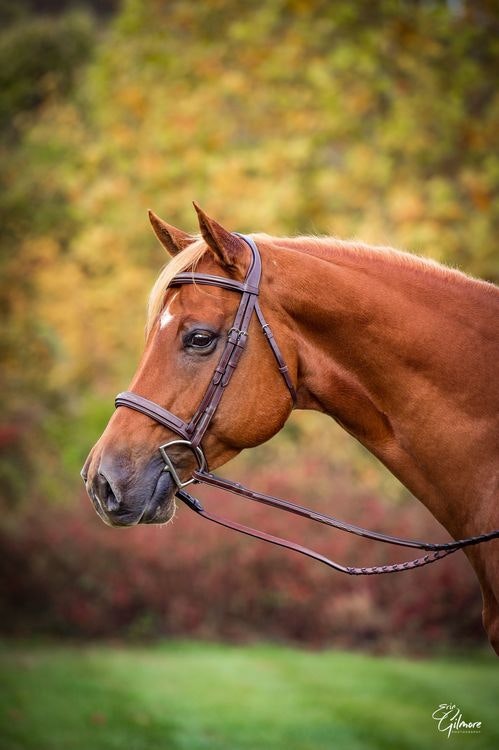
[{"x": 450, "y": 719}]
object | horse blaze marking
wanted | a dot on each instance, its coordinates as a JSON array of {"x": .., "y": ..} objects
[{"x": 167, "y": 316}]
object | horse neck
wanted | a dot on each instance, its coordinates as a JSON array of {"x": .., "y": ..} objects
[{"x": 400, "y": 353}]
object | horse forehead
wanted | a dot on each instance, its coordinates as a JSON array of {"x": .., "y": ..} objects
[
  {"x": 167, "y": 315},
  {"x": 196, "y": 298}
]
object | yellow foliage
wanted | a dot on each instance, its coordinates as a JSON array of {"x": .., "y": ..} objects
[{"x": 284, "y": 117}]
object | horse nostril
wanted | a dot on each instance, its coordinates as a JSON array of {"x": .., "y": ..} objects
[{"x": 106, "y": 494}]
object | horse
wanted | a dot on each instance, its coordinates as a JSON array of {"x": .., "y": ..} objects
[{"x": 401, "y": 351}]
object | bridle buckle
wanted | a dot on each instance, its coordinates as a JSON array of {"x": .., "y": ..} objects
[
  {"x": 170, "y": 467},
  {"x": 239, "y": 334}
]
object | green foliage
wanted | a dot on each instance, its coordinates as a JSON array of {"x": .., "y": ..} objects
[
  {"x": 376, "y": 120},
  {"x": 200, "y": 696},
  {"x": 38, "y": 59}
]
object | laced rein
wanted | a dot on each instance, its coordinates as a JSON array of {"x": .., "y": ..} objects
[{"x": 191, "y": 435}]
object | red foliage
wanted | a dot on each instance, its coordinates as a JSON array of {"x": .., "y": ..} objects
[{"x": 65, "y": 572}]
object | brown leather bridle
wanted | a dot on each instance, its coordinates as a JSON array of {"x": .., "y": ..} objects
[{"x": 191, "y": 434}]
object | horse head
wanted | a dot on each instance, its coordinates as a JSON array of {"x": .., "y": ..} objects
[{"x": 187, "y": 332}]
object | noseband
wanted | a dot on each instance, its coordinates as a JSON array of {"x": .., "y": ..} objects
[{"x": 191, "y": 434}]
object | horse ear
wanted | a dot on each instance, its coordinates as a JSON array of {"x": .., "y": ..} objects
[
  {"x": 173, "y": 240},
  {"x": 229, "y": 249}
]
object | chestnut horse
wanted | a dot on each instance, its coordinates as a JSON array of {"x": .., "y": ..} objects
[{"x": 401, "y": 351}]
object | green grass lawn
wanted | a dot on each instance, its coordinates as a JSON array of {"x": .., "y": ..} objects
[{"x": 193, "y": 696}]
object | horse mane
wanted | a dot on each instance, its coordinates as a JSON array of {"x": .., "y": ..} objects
[
  {"x": 353, "y": 252},
  {"x": 331, "y": 248}
]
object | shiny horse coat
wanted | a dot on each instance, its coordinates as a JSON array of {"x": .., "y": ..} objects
[{"x": 400, "y": 351}]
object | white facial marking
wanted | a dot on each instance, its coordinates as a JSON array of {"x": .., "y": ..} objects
[{"x": 167, "y": 316}]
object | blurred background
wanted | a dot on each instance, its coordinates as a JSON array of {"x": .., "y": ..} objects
[{"x": 373, "y": 120}]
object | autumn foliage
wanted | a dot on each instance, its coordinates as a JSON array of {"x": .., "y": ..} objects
[{"x": 374, "y": 120}]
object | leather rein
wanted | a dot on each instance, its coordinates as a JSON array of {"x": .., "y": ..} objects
[{"x": 191, "y": 434}]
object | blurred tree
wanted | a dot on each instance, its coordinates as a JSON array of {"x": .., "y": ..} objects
[
  {"x": 377, "y": 120},
  {"x": 39, "y": 58}
]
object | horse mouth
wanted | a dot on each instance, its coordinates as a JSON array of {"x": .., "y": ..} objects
[{"x": 159, "y": 508}]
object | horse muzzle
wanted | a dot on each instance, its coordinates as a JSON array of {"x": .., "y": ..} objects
[{"x": 124, "y": 496}]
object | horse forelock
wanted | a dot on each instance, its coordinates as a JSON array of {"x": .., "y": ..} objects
[{"x": 184, "y": 261}]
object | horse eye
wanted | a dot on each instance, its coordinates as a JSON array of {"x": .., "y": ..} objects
[{"x": 199, "y": 339}]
